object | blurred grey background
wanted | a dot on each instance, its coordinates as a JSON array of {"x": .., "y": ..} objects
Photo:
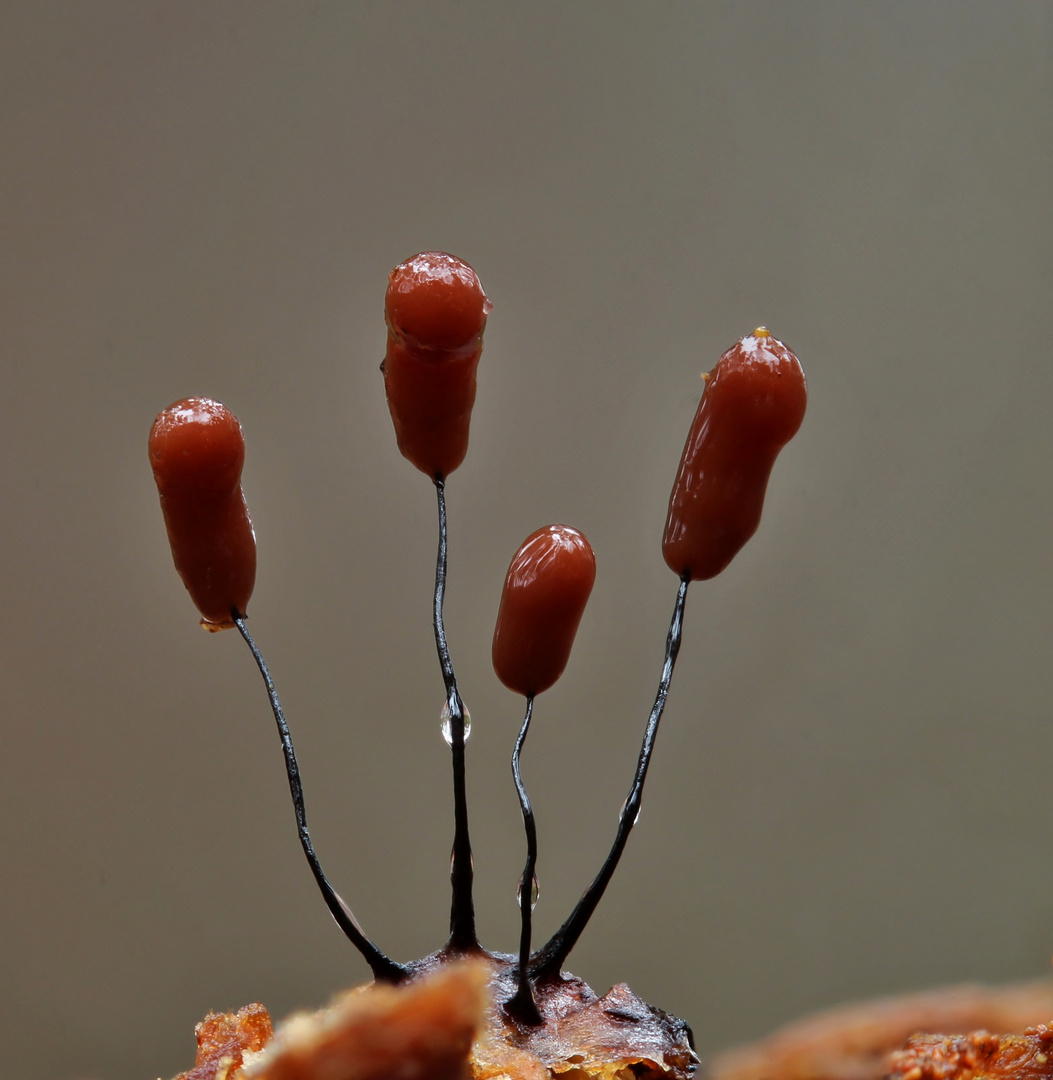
[{"x": 851, "y": 792}]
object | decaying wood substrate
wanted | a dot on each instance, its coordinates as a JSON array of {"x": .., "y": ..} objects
[{"x": 444, "y": 1026}]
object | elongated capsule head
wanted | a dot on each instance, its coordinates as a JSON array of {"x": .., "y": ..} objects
[
  {"x": 197, "y": 450},
  {"x": 752, "y": 405},
  {"x": 436, "y": 312},
  {"x": 546, "y": 589}
]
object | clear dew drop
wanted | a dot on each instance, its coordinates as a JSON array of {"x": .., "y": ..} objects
[
  {"x": 444, "y": 723},
  {"x": 639, "y": 810},
  {"x": 535, "y": 892}
]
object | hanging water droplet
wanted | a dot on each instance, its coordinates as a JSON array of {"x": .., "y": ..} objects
[
  {"x": 621, "y": 812},
  {"x": 444, "y": 723},
  {"x": 535, "y": 892}
]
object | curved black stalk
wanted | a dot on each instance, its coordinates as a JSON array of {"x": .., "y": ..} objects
[
  {"x": 384, "y": 968},
  {"x": 549, "y": 959},
  {"x": 462, "y": 908},
  {"x": 522, "y": 1005}
]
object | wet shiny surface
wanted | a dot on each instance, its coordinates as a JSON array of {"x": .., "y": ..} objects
[
  {"x": 581, "y": 1034},
  {"x": 436, "y": 311},
  {"x": 197, "y": 450},
  {"x": 546, "y": 589},
  {"x": 753, "y": 404}
]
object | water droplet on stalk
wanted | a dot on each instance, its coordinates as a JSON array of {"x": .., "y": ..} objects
[
  {"x": 445, "y": 724},
  {"x": 535, "y": 892},
  {"x": 621, "y": 813}
]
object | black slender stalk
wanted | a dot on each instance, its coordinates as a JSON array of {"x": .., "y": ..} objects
[
  {"x": 548, "y": 961},
  {"x": 384, "y": 968},
  {"x": 462, "y": 909},
  {"x": 522, "y": 1005}
]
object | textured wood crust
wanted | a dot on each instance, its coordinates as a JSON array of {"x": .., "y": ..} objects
[{"x": 857, "y": 1042}]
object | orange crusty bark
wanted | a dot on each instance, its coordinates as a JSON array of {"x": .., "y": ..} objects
[
  {"x": 582, "y": 1036},
  {"x": 444, "y": 1026},
  {"x": 424, "y": 1029},
  {"x": 858, "y": 1041},
  {"x": 224, "y": 1040},
  {"x": 979, "y": 1055}
]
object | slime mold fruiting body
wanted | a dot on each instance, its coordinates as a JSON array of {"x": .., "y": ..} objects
[{"x": 540, "y": 1020}]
